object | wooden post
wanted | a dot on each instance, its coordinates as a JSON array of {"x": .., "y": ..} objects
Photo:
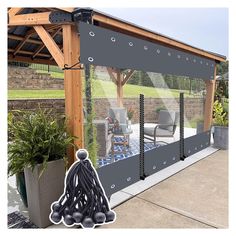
[
  {"x": 210, "y": 91},
  {"x": 73, "y": 86},
  {"x": 119, "y": 89}
]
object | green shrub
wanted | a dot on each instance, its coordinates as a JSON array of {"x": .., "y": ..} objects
[
  {"x": 220, "y": 117},
  {"x": 37, "y": 138}
]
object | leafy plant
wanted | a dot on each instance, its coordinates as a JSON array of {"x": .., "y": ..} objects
[
  {"x": 160, "y": 109},
  {"x": 37, "y": 138},
  {"x": 130, "y": 113},
  {"x": 220, "y": 117},
  {"x": 90, "y": 128}
]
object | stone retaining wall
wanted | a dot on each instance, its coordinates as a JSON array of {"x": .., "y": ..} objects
[
  {"x": 193, "y": 106},
  {"x": 27, "y": 78}
]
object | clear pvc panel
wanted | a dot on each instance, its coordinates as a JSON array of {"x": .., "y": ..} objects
[
  {"x": 161, "y": 109},
  {"x": 111, "y": 111},
  {"x": 111, "y": 115},
  {"x": 194, "y": 100}
]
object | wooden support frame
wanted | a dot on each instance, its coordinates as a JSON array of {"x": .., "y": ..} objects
[
  {"x": 14, "y": 10},
  {"x": 51, "y": 45},
  {"x": 30, "y": 60},
  {"x": 119, "y": 88},
  {"x": 112, "y": 76},
  {"x": 209, "y": 101},
  {"x": 43, "y": 46},
  {"x": 127, "y": 77},
  {"x": 73, "y": 86},
  {"x": 31, "y": 19}
]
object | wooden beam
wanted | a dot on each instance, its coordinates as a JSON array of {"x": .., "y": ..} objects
[
  {"x": 30, "y": 60},
  {"x": 21, "y": 44},
  {"x": 147, "y": 34},
  {"x": 209, "y": 101},
  {"x": 14, "y": 10},
  {"x": 119, "y": 89},
  {"x": 29, "y": 53},
  {"x": 127, "y": 77},
  {"x": 43, "y": 46},
  {"x": 73, "y": 86},
  {"x": 110, "y": 72},
  {"x": 41, "y": 18},
  {"x": 67, "y": 9},
  {"x": 51, "y": 45}
]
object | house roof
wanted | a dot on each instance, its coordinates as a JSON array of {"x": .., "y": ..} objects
[{"x": 25, "y": 45}]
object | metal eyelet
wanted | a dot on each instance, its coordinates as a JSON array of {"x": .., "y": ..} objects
[
  {"x": 90, "y": 59},
  {"x": 113, "y": 39},
  {"x": 158, "y": 51},
  {"x": 178, "y": 56},
  {"x": 154, "y": 167},
  {"x": 91, "y": 33},
  {"x": 128, "y": 179},
  {"x": 164, "y": 163},
  {"x": 145, "y": 47},
  {"x": 113, "y": 186},
  {"x": 169, "y": 54},
  {"x": 131, "y": 44}
]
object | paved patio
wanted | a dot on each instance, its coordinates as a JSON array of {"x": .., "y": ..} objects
[{"x": 196, "y": 197}]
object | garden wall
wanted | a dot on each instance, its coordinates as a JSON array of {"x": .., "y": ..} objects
[
  {"x": 193, "y": 106},
  {"x": 27, "y": 78}
]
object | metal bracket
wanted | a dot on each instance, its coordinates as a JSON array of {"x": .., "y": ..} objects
[
  {"x": 82, "y": 14},
  {"x": 60, "y": 17},
  {"x": 67, "y": 67}
]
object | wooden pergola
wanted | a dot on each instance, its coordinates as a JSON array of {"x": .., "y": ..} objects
[{"x": 49, "y": 36}]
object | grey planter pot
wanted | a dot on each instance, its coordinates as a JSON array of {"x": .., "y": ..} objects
[
  {"x": 220, "y": 136},
  {"x": 41, "y": 192},
  {"x": 200, "y": 127}
]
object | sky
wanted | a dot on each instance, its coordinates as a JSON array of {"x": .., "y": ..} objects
[{"x": 205, "y": 28}]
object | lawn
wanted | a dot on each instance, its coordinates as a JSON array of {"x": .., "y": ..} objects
[{"x": 100, "y": 89}]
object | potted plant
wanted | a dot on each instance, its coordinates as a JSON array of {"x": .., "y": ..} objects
[
  {"x": 199, "y": 122},
  {"x": 130, "y": 114},
  {"x": 220, "y": 123},
  {"x": 38, "y": 148}
]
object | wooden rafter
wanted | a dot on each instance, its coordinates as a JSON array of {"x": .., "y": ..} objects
[
  {"x": 127, "y": 77},
  {"x": 110, "y": 72},
  {"x": 30, "y": 60},
  {"x": 20, "y": 38},
  {"x": 51, "y": 45},
  {"x": 43, "y": 46},
  {"x": 21, "y": 44},
  {"x": 41, "y": 18},
  {"x": 11, "y": 50},
  {"x": 13, "y": 11},
  {"x": 67, "y": 9}
]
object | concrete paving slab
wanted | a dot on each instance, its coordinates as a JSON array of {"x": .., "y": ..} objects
[
  {"x": 152, "y": 180},
  {"x": 200, "y": 191},
  {"x": 138, "y": 213}
]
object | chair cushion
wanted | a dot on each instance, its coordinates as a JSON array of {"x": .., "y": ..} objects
[
  {"x": 166, "y": 120},
  {"x": 159, "y": 132}
]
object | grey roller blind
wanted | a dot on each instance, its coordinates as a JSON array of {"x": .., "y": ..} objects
[{"x": 105, "y": 47}]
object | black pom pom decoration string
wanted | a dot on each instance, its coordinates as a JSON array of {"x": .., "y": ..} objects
[{"x": 84, "y": 201}]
